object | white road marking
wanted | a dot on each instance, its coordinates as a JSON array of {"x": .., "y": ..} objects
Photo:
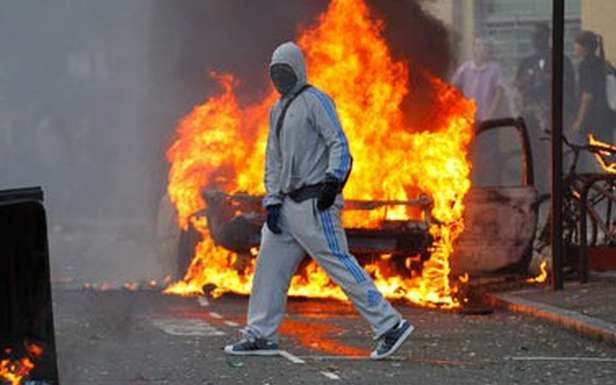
[
  {"x": 390, "y": 358},
  {"x": 232, "y": 324},
  {"x": 213, "y": 314},
  {"x": 291, "y": 357},
  {"x": 330, "y": 375},
  {"x": 548, "y": 358},
  {"x": 203, "y": 301},
  {"x": 187, "y": 327}
]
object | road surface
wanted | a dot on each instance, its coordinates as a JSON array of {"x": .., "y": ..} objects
[{"x": 120, "y": 337}]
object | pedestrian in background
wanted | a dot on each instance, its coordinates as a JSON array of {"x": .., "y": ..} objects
[
  {"x": 533, "y": 82},
  {"x": 593, "y": 112},
  {"x": 481, "y": 79}
]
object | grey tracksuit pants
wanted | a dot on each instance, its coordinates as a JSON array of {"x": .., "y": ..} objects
[{"x": 306, "y": 230}]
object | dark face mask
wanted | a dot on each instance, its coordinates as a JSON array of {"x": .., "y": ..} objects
[{"x": 283, "y": 77}]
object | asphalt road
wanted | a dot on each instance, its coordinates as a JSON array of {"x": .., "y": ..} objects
[{"x": 121, "y": 337}]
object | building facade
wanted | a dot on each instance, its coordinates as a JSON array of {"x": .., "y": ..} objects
[
  {"x": 598, "y": 16},
  {"x": 509, "y": 24}
]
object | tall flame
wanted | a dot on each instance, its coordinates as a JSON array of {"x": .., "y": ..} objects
[{"x": 221, "y": 144}]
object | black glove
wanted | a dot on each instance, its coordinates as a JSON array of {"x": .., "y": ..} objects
[
  {"x": 273, "y": 216},
  {"x": 329, "y": 190}
]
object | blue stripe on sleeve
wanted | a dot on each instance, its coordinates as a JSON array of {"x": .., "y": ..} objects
[{"x": 343, "y": 169}]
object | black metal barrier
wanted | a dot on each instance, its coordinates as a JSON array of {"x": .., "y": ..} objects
[{"x": 27, "y": 341}]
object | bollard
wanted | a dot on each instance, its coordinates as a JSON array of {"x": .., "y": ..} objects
[{"x": 27, "y": 340}]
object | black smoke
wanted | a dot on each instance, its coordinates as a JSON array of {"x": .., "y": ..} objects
[
  {"x": 194, "y": 36},
  {"x": 425, "y": 44},
  {"x": 91, "y": 92},
  {"x": 415, "y": 35}
]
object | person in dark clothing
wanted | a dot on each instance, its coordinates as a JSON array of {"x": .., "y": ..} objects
[
  {"x": 534, "y": 79},
  {"x": 593, "y": 112},
  {"x": 534, "y": 84}
]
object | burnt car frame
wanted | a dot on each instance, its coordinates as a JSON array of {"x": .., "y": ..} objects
[{"x": 500, "y": 223}]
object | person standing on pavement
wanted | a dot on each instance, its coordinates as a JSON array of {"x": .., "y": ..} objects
[
  {"x": 593, "y": 112},
  {"x": 534, "y": 83},
  {"x": 307, "y": 164}
]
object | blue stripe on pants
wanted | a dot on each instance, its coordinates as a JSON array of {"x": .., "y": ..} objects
[
  {"x": 332, "y": 242},
  {"x": 358, "y": 272}
]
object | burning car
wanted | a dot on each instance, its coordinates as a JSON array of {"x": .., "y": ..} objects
[
  {"x": 406, "y": 199},
  {"x": 501, "y": 223},
  {"x": 235, "y": 223}
]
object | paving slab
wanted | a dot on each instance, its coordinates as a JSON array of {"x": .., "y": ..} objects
[
  {"x": 589, "y": 309},
  {"x": 596, "y": 298}
]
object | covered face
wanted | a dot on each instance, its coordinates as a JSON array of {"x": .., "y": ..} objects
[
  {"x": 287, "y": 69},
  {"x": 283, "y": 77}
]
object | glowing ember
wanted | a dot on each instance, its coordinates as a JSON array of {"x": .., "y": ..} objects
[
  {"x": 221, "y": 145},
  {"x": 14, "y": 371},
  {"x": 465, "y": 278},
  {"x": 608, "y": 150},
  {"x": 542, "y": 276},
  {"x": 34, "y": 350}
]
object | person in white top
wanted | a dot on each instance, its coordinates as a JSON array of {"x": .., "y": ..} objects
[{"x": 481, "y": 79}]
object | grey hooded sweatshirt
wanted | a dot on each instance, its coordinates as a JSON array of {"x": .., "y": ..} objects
[{"x": 311, "y": 142}]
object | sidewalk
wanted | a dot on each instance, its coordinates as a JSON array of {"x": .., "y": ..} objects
[{"x": 589, "y": 309}]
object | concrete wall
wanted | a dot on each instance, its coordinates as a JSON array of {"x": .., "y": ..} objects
[
  {"x": 598, "y": 16},
  {"x": 441, "y": 9},
  {"x": 465, "y": 26}
]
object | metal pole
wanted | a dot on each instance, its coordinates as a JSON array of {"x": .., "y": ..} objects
[{"x": 558, "y": 45}]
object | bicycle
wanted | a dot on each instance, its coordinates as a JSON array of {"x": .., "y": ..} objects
[{"x": 588, "y": 206}]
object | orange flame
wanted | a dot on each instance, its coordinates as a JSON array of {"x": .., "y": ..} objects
[
  {"x": 14, "y": 371},
  {"x": 221, "y": 145},
  {"x": 34, "y": 350},
  {"x": 542, "y": 276},
  {"x": 464, "y": 278},
  {"x": 608, "y": 150}
]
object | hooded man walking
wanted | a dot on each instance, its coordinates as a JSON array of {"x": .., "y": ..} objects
[{"x": 307, "y": 164}]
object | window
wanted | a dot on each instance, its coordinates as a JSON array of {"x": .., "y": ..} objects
[{"x": 510, "y": 24}]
